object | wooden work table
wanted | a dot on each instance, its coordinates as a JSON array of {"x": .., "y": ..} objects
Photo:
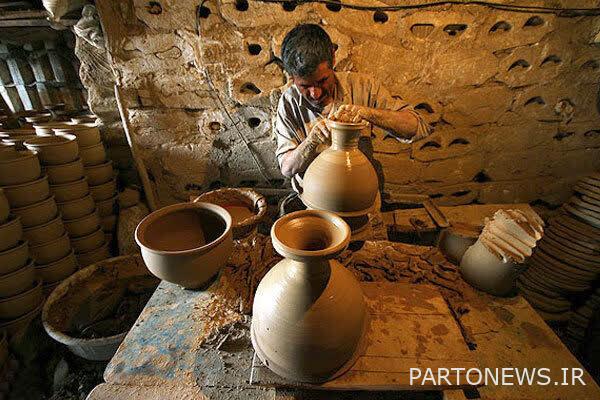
[{"x": 195, "y": 344}]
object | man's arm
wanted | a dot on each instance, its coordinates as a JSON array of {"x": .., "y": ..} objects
[{"x": 297, "y": 160}]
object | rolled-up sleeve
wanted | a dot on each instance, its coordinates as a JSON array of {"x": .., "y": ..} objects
[{"x": 285, "y": 132}]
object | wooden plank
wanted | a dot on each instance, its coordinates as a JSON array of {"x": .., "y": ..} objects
[
  {"x": 410, "y": 327},
  {"x": 436, "y": 214}
]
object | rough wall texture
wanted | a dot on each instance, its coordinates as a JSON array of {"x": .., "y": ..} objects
[{"x": 513, "y": 96}]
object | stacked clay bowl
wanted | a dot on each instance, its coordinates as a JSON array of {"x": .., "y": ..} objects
[
  {"x": 16, "y": 137},
  {"x": 21, "y": 294},
  {"x": 564, "y": 267},
  {"x": 47, "y": 128},
  {"x": 97, "y": 169}
]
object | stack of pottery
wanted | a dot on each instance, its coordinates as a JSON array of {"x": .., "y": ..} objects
[
  {"x": 341, "y": 179},
  {"x": 16, "y": 137},
  {"x": 21, "y": 295},
  {"x": 565, "y": 265},
  {"x": 47, "y": 128},
  {"x": 97, "y": 169},
  {"x": 492, "y": 263},
  {"x": 61, "y": 159}
]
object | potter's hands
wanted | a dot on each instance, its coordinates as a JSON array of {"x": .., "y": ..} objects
[
  {"x": 319, "y": 134},
  {"x": 351, "y": 113}
]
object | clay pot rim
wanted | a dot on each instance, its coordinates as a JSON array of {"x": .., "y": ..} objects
[
  {"x": 64, "y": 203},
  {"x": 76, "y": 126},
  {"x": 66, "y": 184},
  {"x": 38, "y": 180},
  {"x": 258, "y": 204},
  {"x": 13, "y": 140},
  {"x": 30, "y": 263},
  {"x": 92, "y": 146},
  {"x": 7, "y": 322},
  {"x": 10, "y": 220},
  {"x": 84, "y": 237},
  {"x": 49, "y": 199},
  {"x": 114, "y": 198},
  {"x": 295, "y": 254},
  {"x": 47, "y": 141},
  {"x": 20, "y": 155},
  {"x": 65, "y": 165},
  {"x": 18, "y": 246},
  {"x": 37, "y": 284},
  {"x": 52, "y": 221},
  {"x": 112, "y": 182},
  {"x": 18, "y": 132},
  {"x": 53, "y": 263},
  {"x": 49, "y": 125},
  {"x": 94, "y": 211},
  {"x": 346, "y": 125},
  {"x": 62, "y": 237},
  {"x": 104, "y": 164},
  {"x": 86, "y": 253},
  {"x": 215, "y": 209}
]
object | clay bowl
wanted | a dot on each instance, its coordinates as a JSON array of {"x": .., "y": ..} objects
[
  {"x": 83, "y": 226},
  {"x": 88, "y": 242},
  {"x": 93, "y": 155},
  {"x": 19, "y": 167},
  {"x": 104, "y": 191},
  {"x": 87, "y": 134},
  {"x": 10, "y": 232},
  {"x": 187, "y": 243},
  {"x": 99, "y": 174},
  {"x": 28, "y": 193},
  {"x": 106, "y": 207},
  {"x": 49, "y": 252},
  {"x": 17, "y": 141},
  {"x": 109, "y": 223},
  {"x": 71, "y": 190},
  {"x": 7, "y": 147},
  {"x": 22, "y": 303},
  {"x": 37, "y": 213},
  {"x": 45, "y": 233},
  {"x": 77, "y": 208},
  {"x": 17, "y": 281},
  {"x": 247, "y": 207},
  {"x": 55, "y": 150},
  {"x": 4, "y": 207},
  {"x": 455, "y": 240},
  {"x": 14, "y": 258},
  {"x": 47, "y": 128},
  {"x": 38, "y": 118},
  {"x": 15, "y": 328},
  {"x": 64, "y": 173},
  {"x": 93, "y": 256},
  {"x": 57, "y": 270},
  {"x": 64, "y": 306},
  {"x": 15, "y": 133}
]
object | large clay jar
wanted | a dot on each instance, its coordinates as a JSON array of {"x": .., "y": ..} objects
[
  {"x": 341, "y": 179},
  {"x": 309, "y": 312}
]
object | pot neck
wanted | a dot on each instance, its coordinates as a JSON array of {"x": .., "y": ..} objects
[
  {"x": 344, "y": 139},
  {"x": 316, "y": 269}
]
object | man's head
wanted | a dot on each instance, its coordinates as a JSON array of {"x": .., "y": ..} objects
[{"x": 308, "y": 56}]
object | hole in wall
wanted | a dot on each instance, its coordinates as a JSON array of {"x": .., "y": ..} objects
[
  {"x": 253, "y": 122},
  {"x": 241, "y": 5},
  {"x": 203, "y": 11},
  {"x": 193, "y": 186},
  {"x": 436, "y": 195},
  {"x": 216, "y": 185},
  {"x": 455, "y": 29},
  {"x": 458, "y": 141},
  {"x": 421, "y": 30},
  {"x": 289, "y": 5},
  {"x": 334, "y": 7},
  {"x": 249, "y": 87},
  {"x": 154, "y": 8},
  {"x": 380, "y": 17},
  {"x": 535, "y": 100},
  {"x": 519, "y": 64},
  {"x": 425, "y": 107},
  {"x": 590, "y": 64},
  {"x": 502, "y": 54},
  {"x": 214, "y": 126},
  {"x": 551, "y": 60},
  {"x": 500, "y": 26},
  {"x": 430, "y": 145},
  {"x": 254, "y": 49},
  {"x": 560, "y": 135},
  {"x": 592, "y": 133},
  {"x": 533, "y": 21},
  {"x": 481, "y": 177},
  {"x": 461, "y": 193}
]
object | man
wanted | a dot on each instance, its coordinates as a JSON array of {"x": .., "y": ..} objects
[{"x": 317, "y": 92}]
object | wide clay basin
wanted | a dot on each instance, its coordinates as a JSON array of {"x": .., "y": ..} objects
[{"x": 187, "y": 243}]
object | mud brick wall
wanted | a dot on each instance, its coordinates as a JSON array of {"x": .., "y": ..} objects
[{"x": 513, "y": 96}]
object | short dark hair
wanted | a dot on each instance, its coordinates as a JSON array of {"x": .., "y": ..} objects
[{"x": 304, "y": 48}]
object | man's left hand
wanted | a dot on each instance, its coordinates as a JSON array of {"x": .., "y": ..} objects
[{"x": 351, "y": 113}]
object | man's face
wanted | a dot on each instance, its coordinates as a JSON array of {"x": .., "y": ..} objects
[{"x": 318, "y": 87}]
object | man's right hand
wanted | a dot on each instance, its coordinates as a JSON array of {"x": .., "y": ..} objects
[{"x": 320, "y": 134}]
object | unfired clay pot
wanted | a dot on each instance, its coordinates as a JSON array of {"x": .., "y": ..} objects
[
  {"x": 4, "y": 207},
  {"x": 28, "y": 193},
  {"x": 46, "y": 253},
  {"x": 45, "y": 233},
  {"x": 93, "y": 155},
  {"x": 187, "y": 243},
  {"x": 484, "y": 270},
  {"x": 77, "y": 208},
  {"x": 38, "y": 213},
  {"x": 17, "y": 141},
  {"x": 455, "y": 240},
  {"x": 309, "y": 313},
  {"x": 58, "y": 270},
  {"x": 93, "y": 256},
  {"x": 14, "y": 258},
  {"x": 341, "y": 179},
  {"x": 87, "y": 134},
  {"x": 38, "y": 118},
  {"x": 99, "y": 174},
  {"x": 106, "y": 207},
  {"x": 88, "y": 242},
  {"x": 47, "y": 128},
  {"x": 10, "y": 232},
  {"x": 19, "y": 132},
  {"x": 55, "y": 150},
  {"x": 17, "y": 327},
  {"x": 19, "y": 167},
  {"x": 83, "y": 226},
  {"x": 7, "y": 147},
  {"x": 22, "y": 303},
  {"x": 71, "y": 190},
  {"x": 17, "y": 281},
  {"x": 104, "y": 191},
  {"x": 64, "y": 173}
]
